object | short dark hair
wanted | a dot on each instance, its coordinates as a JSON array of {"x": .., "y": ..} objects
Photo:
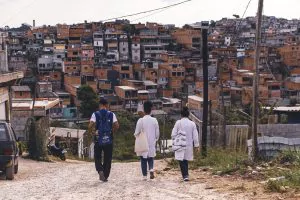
[
  {"x": 148, "y": 107},
  {"x": 185, "y": 112},
  {"x": 103, "y": 101}
]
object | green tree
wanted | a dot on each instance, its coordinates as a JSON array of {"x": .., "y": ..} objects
[
  {"x": 89, "y": 100},
  {"x": 212, "y": 23},
  {"x": 130, "y": 29}
]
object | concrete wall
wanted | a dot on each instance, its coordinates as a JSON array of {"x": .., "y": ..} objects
[
  {"x": 280, "y": 130},
  {"x": 271, "y": 146},
  {"x": 236, "y": 135}
]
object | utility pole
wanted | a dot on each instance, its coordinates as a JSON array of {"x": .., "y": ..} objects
[
  {"x": 204, "y": 30},
  {"x": 255, "y": 110},
  {"x": 223, "y": 109}
]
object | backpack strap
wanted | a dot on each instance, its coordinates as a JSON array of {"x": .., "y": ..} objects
[
  {"x": 109, "y": 115},
  {"x": 98, "y": 116}
]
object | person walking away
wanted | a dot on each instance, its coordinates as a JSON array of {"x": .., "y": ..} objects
[
  {"x": 105, "y": 123},
  {"x": 150, "y": 127},
  {"x": 185, "y": 129}
]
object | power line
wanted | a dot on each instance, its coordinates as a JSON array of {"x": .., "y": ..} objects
[
  {"x": 240, "y": 22},
  {"x": 241, "y": 19},
  {"x": 18, "y": 12},
  {"x": 147, "y": 11},
  {"x": 246, "y": 9},
  {"x": 147, "y": 16}
]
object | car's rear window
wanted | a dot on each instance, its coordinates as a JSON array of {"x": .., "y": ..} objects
[{"x": 3, "y": 132}]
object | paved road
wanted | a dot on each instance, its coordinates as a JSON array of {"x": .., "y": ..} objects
[{"x": 78, "y": 180}]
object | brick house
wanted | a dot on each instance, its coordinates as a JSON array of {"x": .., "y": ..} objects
[{"x": 21, "y": 92}]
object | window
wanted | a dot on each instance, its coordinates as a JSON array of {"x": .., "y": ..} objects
[
  {"x": 125, "y": 68},
  {"x": 246, "y": 79},
  {"x": 3, "y": 132},
  {"x": 196, "y": 40},
  {"x": 124, "y": 76},
  {"x": 274, "y": 87}
]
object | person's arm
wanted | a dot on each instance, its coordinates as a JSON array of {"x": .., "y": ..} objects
[
  {"x": 91, "y": 128},
  {"x": 138, "y": 127},
  {"x": 174, "y": 130},
  {"x": 156, "y": 130},
  {"x": 195, "y": 136},
  {"x": 116, "y": 125},
  {"x": 92, "y": 125}
]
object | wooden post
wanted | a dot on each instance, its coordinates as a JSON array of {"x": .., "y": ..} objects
[
  {"x": 255, "y": 109},
  {"x": 205, "y": 88}
]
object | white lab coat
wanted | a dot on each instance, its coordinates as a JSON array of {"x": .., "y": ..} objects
[
  {"x": 192, "y": 138},
  {"x": 150, "y": 127}
]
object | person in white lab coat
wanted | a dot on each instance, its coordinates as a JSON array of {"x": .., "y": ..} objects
[
  {"x": 192, "y": 141},
  {"x": 150, "y": 127}
]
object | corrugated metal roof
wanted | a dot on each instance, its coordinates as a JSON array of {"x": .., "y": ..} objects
[
  {"x": 19, "y": 88},
  {"x": 64, "y": 132},
  {"x": 126, "y": 88},
  {"x": 143, "y": 91},
  {"x": 196, "y": 98},
  {"x": 285, "y": 108}
]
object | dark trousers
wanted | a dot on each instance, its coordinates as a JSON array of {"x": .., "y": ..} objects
[
  {"x": 144, "y": 162},
  {"x": 184, "y": 167},
  {"x": 104, "y": 166}
]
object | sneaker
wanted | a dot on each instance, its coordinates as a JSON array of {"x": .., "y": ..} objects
[
  {"x": 144, "y": 178},
  {"x": 186, "y": 179},
  {"x": 101, "y": 176},
  {"x": 151, "y": 175}
]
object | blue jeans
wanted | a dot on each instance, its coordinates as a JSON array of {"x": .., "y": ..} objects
[
  {"x": 144, "y": 162},
  {"x": 184, "y": 167}
]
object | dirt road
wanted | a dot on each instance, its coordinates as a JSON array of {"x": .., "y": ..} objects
[{"x": 78, "y": 180}]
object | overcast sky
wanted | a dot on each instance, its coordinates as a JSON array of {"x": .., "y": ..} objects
[{"x": 51, "y": 12}]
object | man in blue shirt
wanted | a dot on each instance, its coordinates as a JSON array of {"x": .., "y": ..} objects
[{"x": 105, "y": 123}]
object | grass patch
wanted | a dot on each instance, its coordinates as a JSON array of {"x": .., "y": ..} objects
[
  {"x": 286, "y": 165},
  {"x": 291, "y": 179},
  {"x": 240, "y": 188},
  {"x": 274, "y": 186},
  {"x": 281, "y": 174},
  {"x": 221, "y": 161}
]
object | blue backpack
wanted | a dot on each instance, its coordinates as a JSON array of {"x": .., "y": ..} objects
[{"x": 104, "y": 123}]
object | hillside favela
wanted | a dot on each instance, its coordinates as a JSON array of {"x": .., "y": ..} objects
[{"x": 133, "y": 107}]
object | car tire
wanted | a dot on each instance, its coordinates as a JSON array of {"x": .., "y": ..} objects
[
  {"x": 16, "y": 168},
  {"x": 10, "y": 172}
]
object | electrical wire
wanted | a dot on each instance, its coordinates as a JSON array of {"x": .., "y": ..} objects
[
  {"x": 18, "y": 12},
  {"x": 147, "y": 11},
  {"x": 241, "y": 19},
  {"x": 264, "y": 35},
  {"x": 147, "y": 15}
]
